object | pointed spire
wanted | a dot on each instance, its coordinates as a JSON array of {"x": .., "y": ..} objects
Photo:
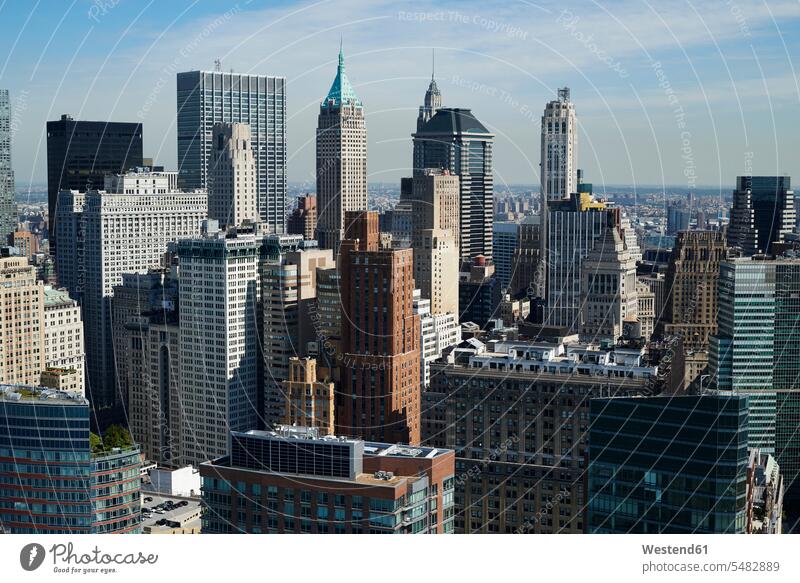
[
  {"x": 433, "y": 63},
  {"x": 341, "y": 91}
]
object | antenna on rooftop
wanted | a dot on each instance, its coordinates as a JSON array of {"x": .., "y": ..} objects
[{"x": 217, "y": 65}]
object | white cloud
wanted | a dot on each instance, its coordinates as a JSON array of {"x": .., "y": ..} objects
[{"x": 526, "y": 49}]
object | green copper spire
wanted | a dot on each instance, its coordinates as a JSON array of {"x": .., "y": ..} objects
[{"x": 341, "y": 91}]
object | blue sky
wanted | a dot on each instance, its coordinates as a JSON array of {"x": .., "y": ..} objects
[{"x": 677, "y": 93}]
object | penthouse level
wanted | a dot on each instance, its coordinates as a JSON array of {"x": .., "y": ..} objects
[{"x": 556, "y": 358}]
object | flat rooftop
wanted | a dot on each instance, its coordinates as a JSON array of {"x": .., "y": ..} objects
[
  {"x": 402, "y": 451},
  {"x": 299, "y": 433},
  {"x": 182, "y": 515},
  {"x": 25, "y": 393}
]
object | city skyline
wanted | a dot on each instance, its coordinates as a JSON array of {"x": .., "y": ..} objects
[
  {"x": 468, "y": 357},
  {"x": 627, "y": 84}
]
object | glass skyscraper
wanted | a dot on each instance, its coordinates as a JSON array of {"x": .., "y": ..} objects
[
  {"x": 454, "y": 140},
  {"x": 573, "y": 227},
  {"x": 209, "y": 97},
  {"x": 668, "y": 465},
  {"x": 756, "y": 352},
  {"x": 762, "y": 213},
  {"x": 81, "y": 153},
  {"x": 50, "y": 481},
  {"x": 8, "y": 203}
]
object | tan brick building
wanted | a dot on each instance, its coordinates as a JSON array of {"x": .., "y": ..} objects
[{"x": 22, "y": 353}]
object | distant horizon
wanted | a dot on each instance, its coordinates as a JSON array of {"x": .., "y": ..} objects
[
  {"x": 295, "y": 183},
  {"x": 661, "y": 100}
]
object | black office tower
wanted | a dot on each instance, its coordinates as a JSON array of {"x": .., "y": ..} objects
[
  {"x": 81, "y": 153},
  {"x": 454, "y": 140},
  {"x": 763, "y": 213}
]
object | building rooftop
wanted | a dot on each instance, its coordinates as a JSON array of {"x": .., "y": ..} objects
[
  {"x": 454, "y": 121},
  {"x": 557, "y": 358},
  {"x": 341, "y": 91},
  {"x": 27, "y": 393},
  {"x": 56, "y": 297},
  {"x": 404, "y": 451},
  {"x": 298, "y": 432}
]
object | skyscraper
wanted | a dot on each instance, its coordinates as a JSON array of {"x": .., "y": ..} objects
[
  {"x": 22, "y": 346},
  {"x": 754, "y": 352},
  {"x": 678, "y": 216},
  {"x": 124, "y": 229},
  {"x": 209, "y": 97},
  {"x": 434, "y": 202},
  {"x": 66, "y": 488},
  {"x": 516, "y": 413},
  {"x": 668, "y": 464},
  {"x": 762, "y": 213},
  {"x": 479, "y": 292},
  {"x": 431, "y": 200},
  {"x": 693, "y": 272},
  {"x": 559, "y": 153},
  {"x": 288, "y": 292},
  {"x": 308, "y": 401},
  {"x": 232, "y": 185},
  {"x": 609, "y": 288},
  {"x": 436, "y": 270},
  {"x": 433, "y": 99},
  {"x": 147, "y": 357},
  {"x": 341, "y": 159},
  {"x": 63, "y": 334},
  {"x": 218, "y": 301},
  {"x": 81, "y": 153},
  {"x": 454, "y": 140},
  {"x": 380, "y": 388},
  {"x": 573, "y": 228},
  {"x": 528, "y": 276},
  {"x": 505, "y": 240},
  {"x": 8, "y": 198}
]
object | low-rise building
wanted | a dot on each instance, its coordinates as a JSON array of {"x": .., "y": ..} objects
[
  {"x": 295, "y": 481},
  {"x": 183, "y": 481}
]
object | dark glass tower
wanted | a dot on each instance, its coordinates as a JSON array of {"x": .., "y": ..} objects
[
  {"x": 668, "y": 465},
  {"x": 81, "y": 153},
  {"x": 762, "y": 213},
  {"x": 453, "y": 139},
  {"x": 209, "y": 97},
  {"x": 8, "y": 202}
]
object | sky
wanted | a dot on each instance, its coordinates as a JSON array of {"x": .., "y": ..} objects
[{"x": 684, "y": 94}]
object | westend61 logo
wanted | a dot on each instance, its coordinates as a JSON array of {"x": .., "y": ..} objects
[{"x": 66, "y": 560}]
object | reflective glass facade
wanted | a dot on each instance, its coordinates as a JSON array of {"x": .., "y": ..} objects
[
  {"x": 756, "y": 352},
  {"x": 668, "y": 465},
  {"x": 206, "y": 98},
  {"x": 49, "y": 480}
]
